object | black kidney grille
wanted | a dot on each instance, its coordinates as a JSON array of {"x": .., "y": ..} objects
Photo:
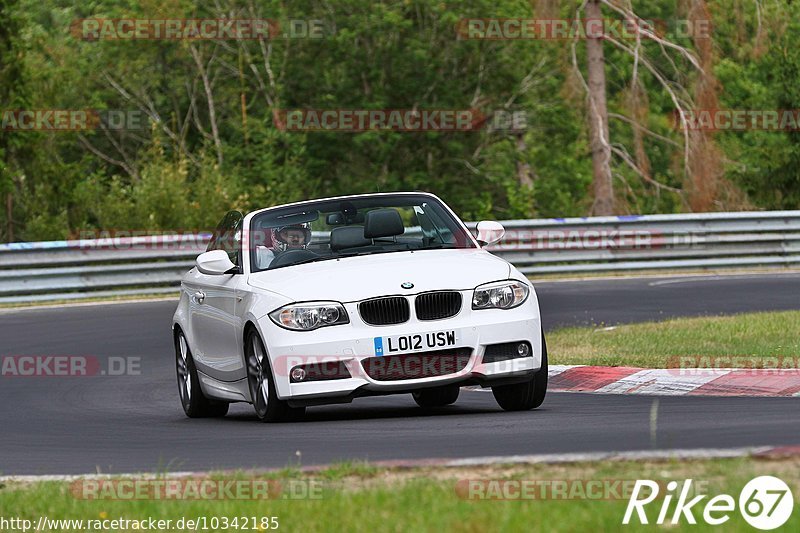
[
  {"x": 437, "y": 305},
  {"x": 384, "y": 311}
]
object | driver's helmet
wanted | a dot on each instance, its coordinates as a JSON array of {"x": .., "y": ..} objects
[{"x": 292, "y": 237}]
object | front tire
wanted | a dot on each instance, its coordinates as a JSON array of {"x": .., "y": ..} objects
[
  {"x": 194, "y": 403},
  {"x": 268, "y": 407},
  {"x": 437, "y": 397},
  {"x": 528, "y": 395}
]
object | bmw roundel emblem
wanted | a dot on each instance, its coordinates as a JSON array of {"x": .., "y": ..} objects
[{"x": 407, "y": 285}]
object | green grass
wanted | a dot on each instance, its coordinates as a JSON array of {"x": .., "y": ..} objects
[
  {"x": 360, "y": 497},
  {"x": 342, "y": 470},
  {"x": 750, "y": 337}
]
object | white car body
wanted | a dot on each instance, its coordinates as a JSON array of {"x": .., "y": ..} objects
[{"x": 216, "y": 310}]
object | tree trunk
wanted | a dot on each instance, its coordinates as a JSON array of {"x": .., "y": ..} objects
[
  {"x": 212, "y": 113},
  {"x": 524, "y": 173},
  {"x": 9, "y": 212},
  {"x": 243, "y": 98},
  {"x": 598, "y": 119},
  {"x": 705, "y": 168}
]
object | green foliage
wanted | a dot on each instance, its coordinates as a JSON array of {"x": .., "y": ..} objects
[
  {"x": 766, "y": 163},
  {"x": 174, "y": 174}
]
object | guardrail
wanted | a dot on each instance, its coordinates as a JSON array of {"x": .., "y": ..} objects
[{"x": 154, "y": 264}]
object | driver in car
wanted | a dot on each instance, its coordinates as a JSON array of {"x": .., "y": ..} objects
[{"x": 295, "y": 237}]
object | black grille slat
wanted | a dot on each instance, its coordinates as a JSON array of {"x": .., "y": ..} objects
[
  {"x": 385, "y": 311},
  {"x": 437, "y": 305}
]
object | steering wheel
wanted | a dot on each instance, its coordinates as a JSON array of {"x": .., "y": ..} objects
[{"x": 291, "y": 257}]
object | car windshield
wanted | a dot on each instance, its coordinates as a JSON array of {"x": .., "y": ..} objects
[{"x": 331, "y": 229}]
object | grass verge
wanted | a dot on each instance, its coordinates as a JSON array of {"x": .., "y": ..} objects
[
  {"x": 655, "y": 344},
  {"x": 361, "y": 497}
]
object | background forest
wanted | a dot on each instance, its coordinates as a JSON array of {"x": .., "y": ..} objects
[{"x": 209, "y": 143}]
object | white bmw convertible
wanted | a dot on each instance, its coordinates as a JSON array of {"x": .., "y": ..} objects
[{"x": 328, "y": 300}]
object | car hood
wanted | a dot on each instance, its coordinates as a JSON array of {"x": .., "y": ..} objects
[{"x": 357, "y": 278}]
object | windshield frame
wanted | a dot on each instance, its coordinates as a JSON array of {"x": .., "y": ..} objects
[{"x": 460, "y": 232}]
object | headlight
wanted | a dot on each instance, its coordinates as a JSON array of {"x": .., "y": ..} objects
[
  {"x": 500, "y": 295},
  {"x": 309, "y": 316}
]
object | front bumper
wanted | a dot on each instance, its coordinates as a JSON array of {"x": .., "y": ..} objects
[{"x": 353, "y": 343}]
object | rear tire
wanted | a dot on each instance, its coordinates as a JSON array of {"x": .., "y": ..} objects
[
  {"x": 194, "y": 403},
  {"x": 268, "y": 407},
  {"x": 528, "y": 395},
  {"x": 436, "y": 397}
]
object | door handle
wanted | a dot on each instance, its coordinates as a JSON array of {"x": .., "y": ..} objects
[{"x": 199, "y": 296}]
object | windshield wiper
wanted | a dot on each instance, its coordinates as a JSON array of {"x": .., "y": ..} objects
[
  {"x": 440, "y": 247},
  {"x": 328, "y": 257},
  {"x": 375, "y": 252},
  {"x": 355, "y": 254},
  {"x": 372, "y": 252},
  {"x": 304, "y": 261}
]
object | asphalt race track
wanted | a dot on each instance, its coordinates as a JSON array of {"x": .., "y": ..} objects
[
  {"x": 647, "y": 299},
  {"x": 51, "y": 425}
]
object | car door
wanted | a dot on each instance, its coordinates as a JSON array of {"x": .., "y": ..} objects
[{"x": 213, "y": 302}]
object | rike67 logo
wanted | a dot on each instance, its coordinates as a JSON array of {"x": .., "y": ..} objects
[{"x": 765, "y": 503}]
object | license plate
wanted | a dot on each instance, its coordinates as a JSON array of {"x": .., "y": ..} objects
[{"x": 419, "y": 342}]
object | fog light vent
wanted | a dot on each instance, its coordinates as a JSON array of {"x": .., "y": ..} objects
[
  {"x": 319, "y": 372},
  {"x": 298, "y": 374},
  {"x": 506, "y": 351}
]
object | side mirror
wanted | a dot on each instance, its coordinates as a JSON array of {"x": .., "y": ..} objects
[
  {"x": 214, "y": 263},
  {"x": 489, "y": 232}
]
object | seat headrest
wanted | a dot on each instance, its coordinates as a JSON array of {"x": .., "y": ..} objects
[
  {"x": 383, "y": 223},
  {"x": 348, "y": 237}
]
